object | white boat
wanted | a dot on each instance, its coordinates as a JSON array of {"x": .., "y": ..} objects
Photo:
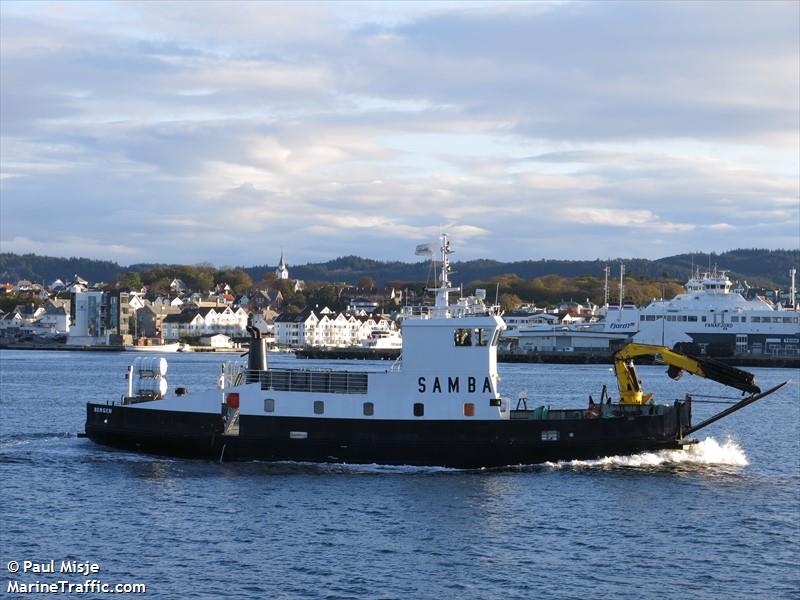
[
  {"x": 713, "y": 316},
  {"x": 384, "y": 340},
  {"x": 438, "y": 405},
  {"x": 174, "y": 347}
]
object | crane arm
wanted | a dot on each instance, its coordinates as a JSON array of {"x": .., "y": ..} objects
[{"x": 630, "y": 386}]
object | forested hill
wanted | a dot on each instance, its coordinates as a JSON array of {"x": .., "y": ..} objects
[{"x": 769, "y": 268}]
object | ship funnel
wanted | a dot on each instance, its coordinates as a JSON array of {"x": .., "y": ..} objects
[{"x": 257, "y": 356}]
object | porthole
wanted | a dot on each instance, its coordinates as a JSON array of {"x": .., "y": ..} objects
[
  {"x": 319, "y": 407},
  {"x": 269, "y": 404},
  {"x": 419, "y": 409},
  {"x": 369, "y": 409}
]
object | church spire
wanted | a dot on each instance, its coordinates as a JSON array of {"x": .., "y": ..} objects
[{"x": 282, "y": 271}]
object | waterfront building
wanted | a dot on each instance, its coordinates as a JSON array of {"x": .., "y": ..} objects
[
  {"x": 326, "y": 328},
  {"x": 96, "y": 316}
]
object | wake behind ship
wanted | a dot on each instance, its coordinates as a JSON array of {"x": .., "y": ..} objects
[{"x": 439, "y": 405}]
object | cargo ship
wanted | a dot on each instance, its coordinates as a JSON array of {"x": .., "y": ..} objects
[{"x": 438, "y": 405}]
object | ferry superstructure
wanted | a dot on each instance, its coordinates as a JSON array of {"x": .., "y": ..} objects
[
  {"x": 439, "y": 405},
  {"x": 714, "y": 316}
]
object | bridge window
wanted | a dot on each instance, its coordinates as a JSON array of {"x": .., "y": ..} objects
[
  {"x": 419, "y": 409},
  {"x": 462, "y": 337},
  {"x": 481, "y": 336}
]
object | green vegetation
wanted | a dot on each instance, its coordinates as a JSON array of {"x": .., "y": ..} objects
[
  {"x": 11, "y": 300},
  {"x": 512, "y": 291},
  {"x": 540, "y": 280}
]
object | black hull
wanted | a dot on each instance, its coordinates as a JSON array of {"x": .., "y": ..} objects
[{"x": 467, "y": 444}]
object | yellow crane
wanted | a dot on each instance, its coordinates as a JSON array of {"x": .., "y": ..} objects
[{"x": 630, "y": 386}]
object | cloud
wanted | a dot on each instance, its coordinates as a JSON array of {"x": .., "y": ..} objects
[{"x": 218, "y": 132}]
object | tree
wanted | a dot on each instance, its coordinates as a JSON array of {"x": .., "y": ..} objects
[
  {"x": 365, "y": 282},
  {"x": 131, "y": 280},
  {"x": 509, "y": 302},
  {"x": 239, "y": 281},
  {"x": 268, "y": 281}
]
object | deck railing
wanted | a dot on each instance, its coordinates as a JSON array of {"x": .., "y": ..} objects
[{"x": 301, "y": 380}]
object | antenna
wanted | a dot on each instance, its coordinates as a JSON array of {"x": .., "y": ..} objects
[
  {"x": 621, "y": 287},
  {"x": 793, "y": 289},
  {"x": 605, "y": 286}
]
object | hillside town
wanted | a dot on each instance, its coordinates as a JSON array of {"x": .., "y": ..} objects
[
  {"x": 711, "y": 317},
  {"x": 79, "y": 314}
]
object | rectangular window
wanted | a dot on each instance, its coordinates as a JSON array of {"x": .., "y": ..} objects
[
  {"x": 369, "y": 409},
  {"x": 462, "y": 337},
  {"x": 481, "y": 337},
  {"x": 269, "y": 404},
  {"x": 744, "y": 319},
  {"x": 319, "y": 407},
  {"x": 703, "y": 319},
  {"x": 734, "y": 319},
  {"x": 469, "y": 409},
  {"x": 419, "y": 409},
  {"x": 693, "y": 318},
  {"x": 755, "y": 319}
]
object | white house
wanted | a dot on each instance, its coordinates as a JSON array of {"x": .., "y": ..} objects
[
  {"x": 189, "y": 323},
  {"x": 326, "y": 328},
  {"x": 55, "y": 320},
  {"x": 205, "y": 320},
  {"x": 218, "y": 340},
  {"x": 161, "y": 301}
]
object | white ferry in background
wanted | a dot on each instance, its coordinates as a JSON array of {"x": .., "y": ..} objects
[{"x": 715, "y": 318}]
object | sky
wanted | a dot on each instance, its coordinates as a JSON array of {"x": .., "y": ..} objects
[{"x": 224, "y": 132}]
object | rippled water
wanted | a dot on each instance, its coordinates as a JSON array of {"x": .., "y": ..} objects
[{"x": 720, "y": 520}]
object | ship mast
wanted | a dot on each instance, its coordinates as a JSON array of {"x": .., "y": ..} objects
[
  {"x": 621, "y": 287},
  {"x": 441, "y": 308},
  {"x": 605, "y": 286},
  {"x": 793, "y": 288}
]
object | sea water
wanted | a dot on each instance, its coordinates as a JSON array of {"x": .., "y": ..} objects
[{"x": 720, "y": 519}]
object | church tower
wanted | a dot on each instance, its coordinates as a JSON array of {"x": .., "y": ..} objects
[{"x": 282, "y": 271}]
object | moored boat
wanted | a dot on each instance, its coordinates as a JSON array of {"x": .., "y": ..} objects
[
  {"x": 174, "y": 347},
  {"x": 439, "y": 405}
]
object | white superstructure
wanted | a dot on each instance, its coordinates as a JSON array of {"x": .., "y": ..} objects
[
  {"x": 448, "y": 370},
  {"x": 712, "y": 312}
]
